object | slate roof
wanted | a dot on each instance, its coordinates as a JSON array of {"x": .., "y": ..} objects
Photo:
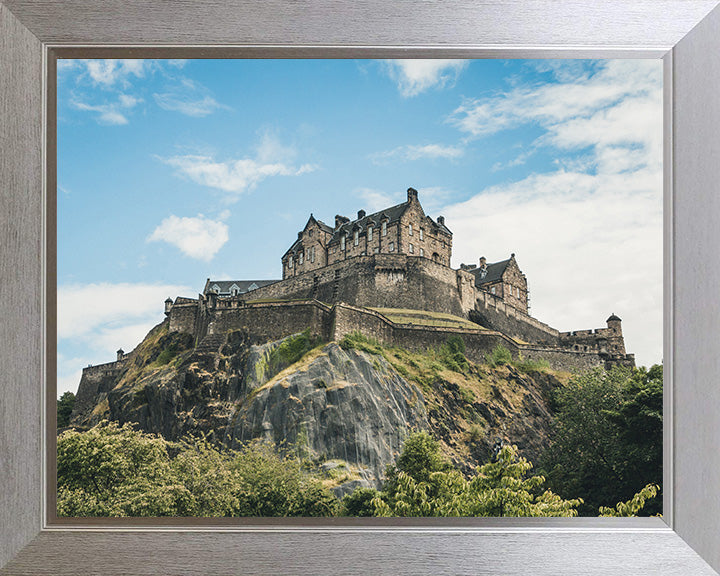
[
  {"x": 392, "y": 214},
  {"x": 244, "y": 286},
  {"x": 494, "y": 272}
]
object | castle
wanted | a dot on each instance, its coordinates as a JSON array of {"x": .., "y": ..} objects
[
  {"x": 339, "y": 279},
  {"x": 351, "y": 276}
]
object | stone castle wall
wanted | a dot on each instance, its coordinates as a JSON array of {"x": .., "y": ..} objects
[
  {"x": 266, "y": 321},
  {"x": 95, "y": 382},
  {"x": 381, "y": 281},
  {"x": 492, "y": 312}
]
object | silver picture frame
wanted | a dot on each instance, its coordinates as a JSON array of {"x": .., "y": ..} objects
[{"x": 684, "y": 33}]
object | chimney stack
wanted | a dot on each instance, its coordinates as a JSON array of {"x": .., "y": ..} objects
[
  {"x": 361, "y": 214},
  {"x": 412, "y": 194},
  {"x": 483, "y": 261},
  {"x": 340, "y": 220},
  {"x": 441, "y": 220}
]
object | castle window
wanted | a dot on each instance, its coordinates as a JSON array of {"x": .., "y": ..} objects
[
  {"x": 301, "y": 257},
  {"x": 410, "y": 229},
  {"x": 356, "y": 237},
  {"x": 492, "y": 290},
  {"x": 422, "y": 252},
  {"x": 312, "y": 254},
  {"x": 383, "y": 228},
  {"x": 376, "y": 250},
  {"x": 369, "y": 233},
  {"x": 421, "y": 233},
  {"x": 412, "y": 249},
  {"x": 391, "y": 247},
  {"x": 342, "y": 242}
]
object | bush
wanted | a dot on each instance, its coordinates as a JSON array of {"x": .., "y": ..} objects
[
  {"x": 65, "y": 406},
  {"x": 499, "y": 356},
  {"x": 452, "y": 354},
  {"x": 117, "y": 471}
]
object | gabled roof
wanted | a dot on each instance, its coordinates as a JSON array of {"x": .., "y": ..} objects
[
  {"x": 392, "y": 214},
  {"x": 493, "y": 272},
  {"x": 324, "y": 227},
  {"x": 243, "y": 286}
]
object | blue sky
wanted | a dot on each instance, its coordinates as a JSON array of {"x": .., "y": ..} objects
[{"x": 172, "y": 171}]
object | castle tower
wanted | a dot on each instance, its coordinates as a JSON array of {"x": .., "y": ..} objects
[
  {"x": 168, "y": 306},
  {"x": 616, "y": 342},
  {"x": 120, "y": 354}
]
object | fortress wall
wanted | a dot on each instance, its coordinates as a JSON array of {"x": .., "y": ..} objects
[
  {"x": 567, "y": 360},
  {"x": 272, "y": 321},
  {"x": 95, "y": 381},
  {"x": 182, "y": 317},
  {"x": 381, "y": 280},
  {"x": 349, "y": 319},
  {"x": 491, "y": 312}
]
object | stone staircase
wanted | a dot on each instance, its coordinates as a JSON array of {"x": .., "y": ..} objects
[{"x": 210, "y": 344}]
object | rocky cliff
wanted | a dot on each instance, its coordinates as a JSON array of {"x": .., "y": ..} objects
[{"x": 353, "y": 401}]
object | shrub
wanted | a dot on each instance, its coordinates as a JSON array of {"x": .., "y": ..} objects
[{"x": 499, "y": 356}]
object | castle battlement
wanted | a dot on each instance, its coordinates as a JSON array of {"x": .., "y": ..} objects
[{"x": 394, "y": 258}]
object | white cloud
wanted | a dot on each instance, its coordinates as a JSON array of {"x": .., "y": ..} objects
[
  {"x": 112, "y": 113},
  {"x": 416, "y": 76},
  {"x": 418, "y": 152},
  {"x": 588, "y": 235},
  {"x": 95, "y": 320},
  {"x": 197, "y": 237},
  {"x": 374, "y": 200},
  {"x": 84, "y": 309},
  {"x": 189, "y": 98},
  {"x": 243, "y": 174},
  {"x": 110, "y": 72}
]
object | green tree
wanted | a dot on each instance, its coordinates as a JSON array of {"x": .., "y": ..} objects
[
  {"x": 424, "y": 484},
  {"x": 117, "y": 471},
  {"x": 607, "y": 437},
  {"x": 65, "y": 405}
]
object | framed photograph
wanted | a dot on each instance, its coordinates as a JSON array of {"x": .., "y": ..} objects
[
  {"x": 30, "y": 534},
  {"x": 460, "y": 309}
]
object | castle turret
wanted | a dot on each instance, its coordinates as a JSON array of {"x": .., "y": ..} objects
[
  {"x": 168, "y": 306},
  {"x": 615, "y": 324},
  {"x": 120, "y": 354}
]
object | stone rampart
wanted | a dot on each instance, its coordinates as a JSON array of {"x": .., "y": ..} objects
[
  {"x": 379, "y": 280},
  {"x": 183, "y": 316},
  {"x": 490, "y": 311},
  {"x": 96, "y": 381}
]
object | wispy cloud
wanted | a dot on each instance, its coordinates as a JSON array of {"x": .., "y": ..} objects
[
  {"x": 111, "y": 72},
  {"x": 111, "y": 113},
  {"x": 588, "y": 235},
  {"x": 373, "y": 200},
  {"x": 418, "y": 152},
  {"x": 237, "y": 176},
  {"x": 189, "y": 98},
  {"x": 416, "y": 76},
  {"x": 97, "y": 319},
  {"x": 197, "y": 237}
]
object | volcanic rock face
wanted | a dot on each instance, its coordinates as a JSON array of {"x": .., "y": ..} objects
[
  {"x": 319, "y": 400},
  {"x": 333, "y": 404},
  {"x": 340, "y": 404}
]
